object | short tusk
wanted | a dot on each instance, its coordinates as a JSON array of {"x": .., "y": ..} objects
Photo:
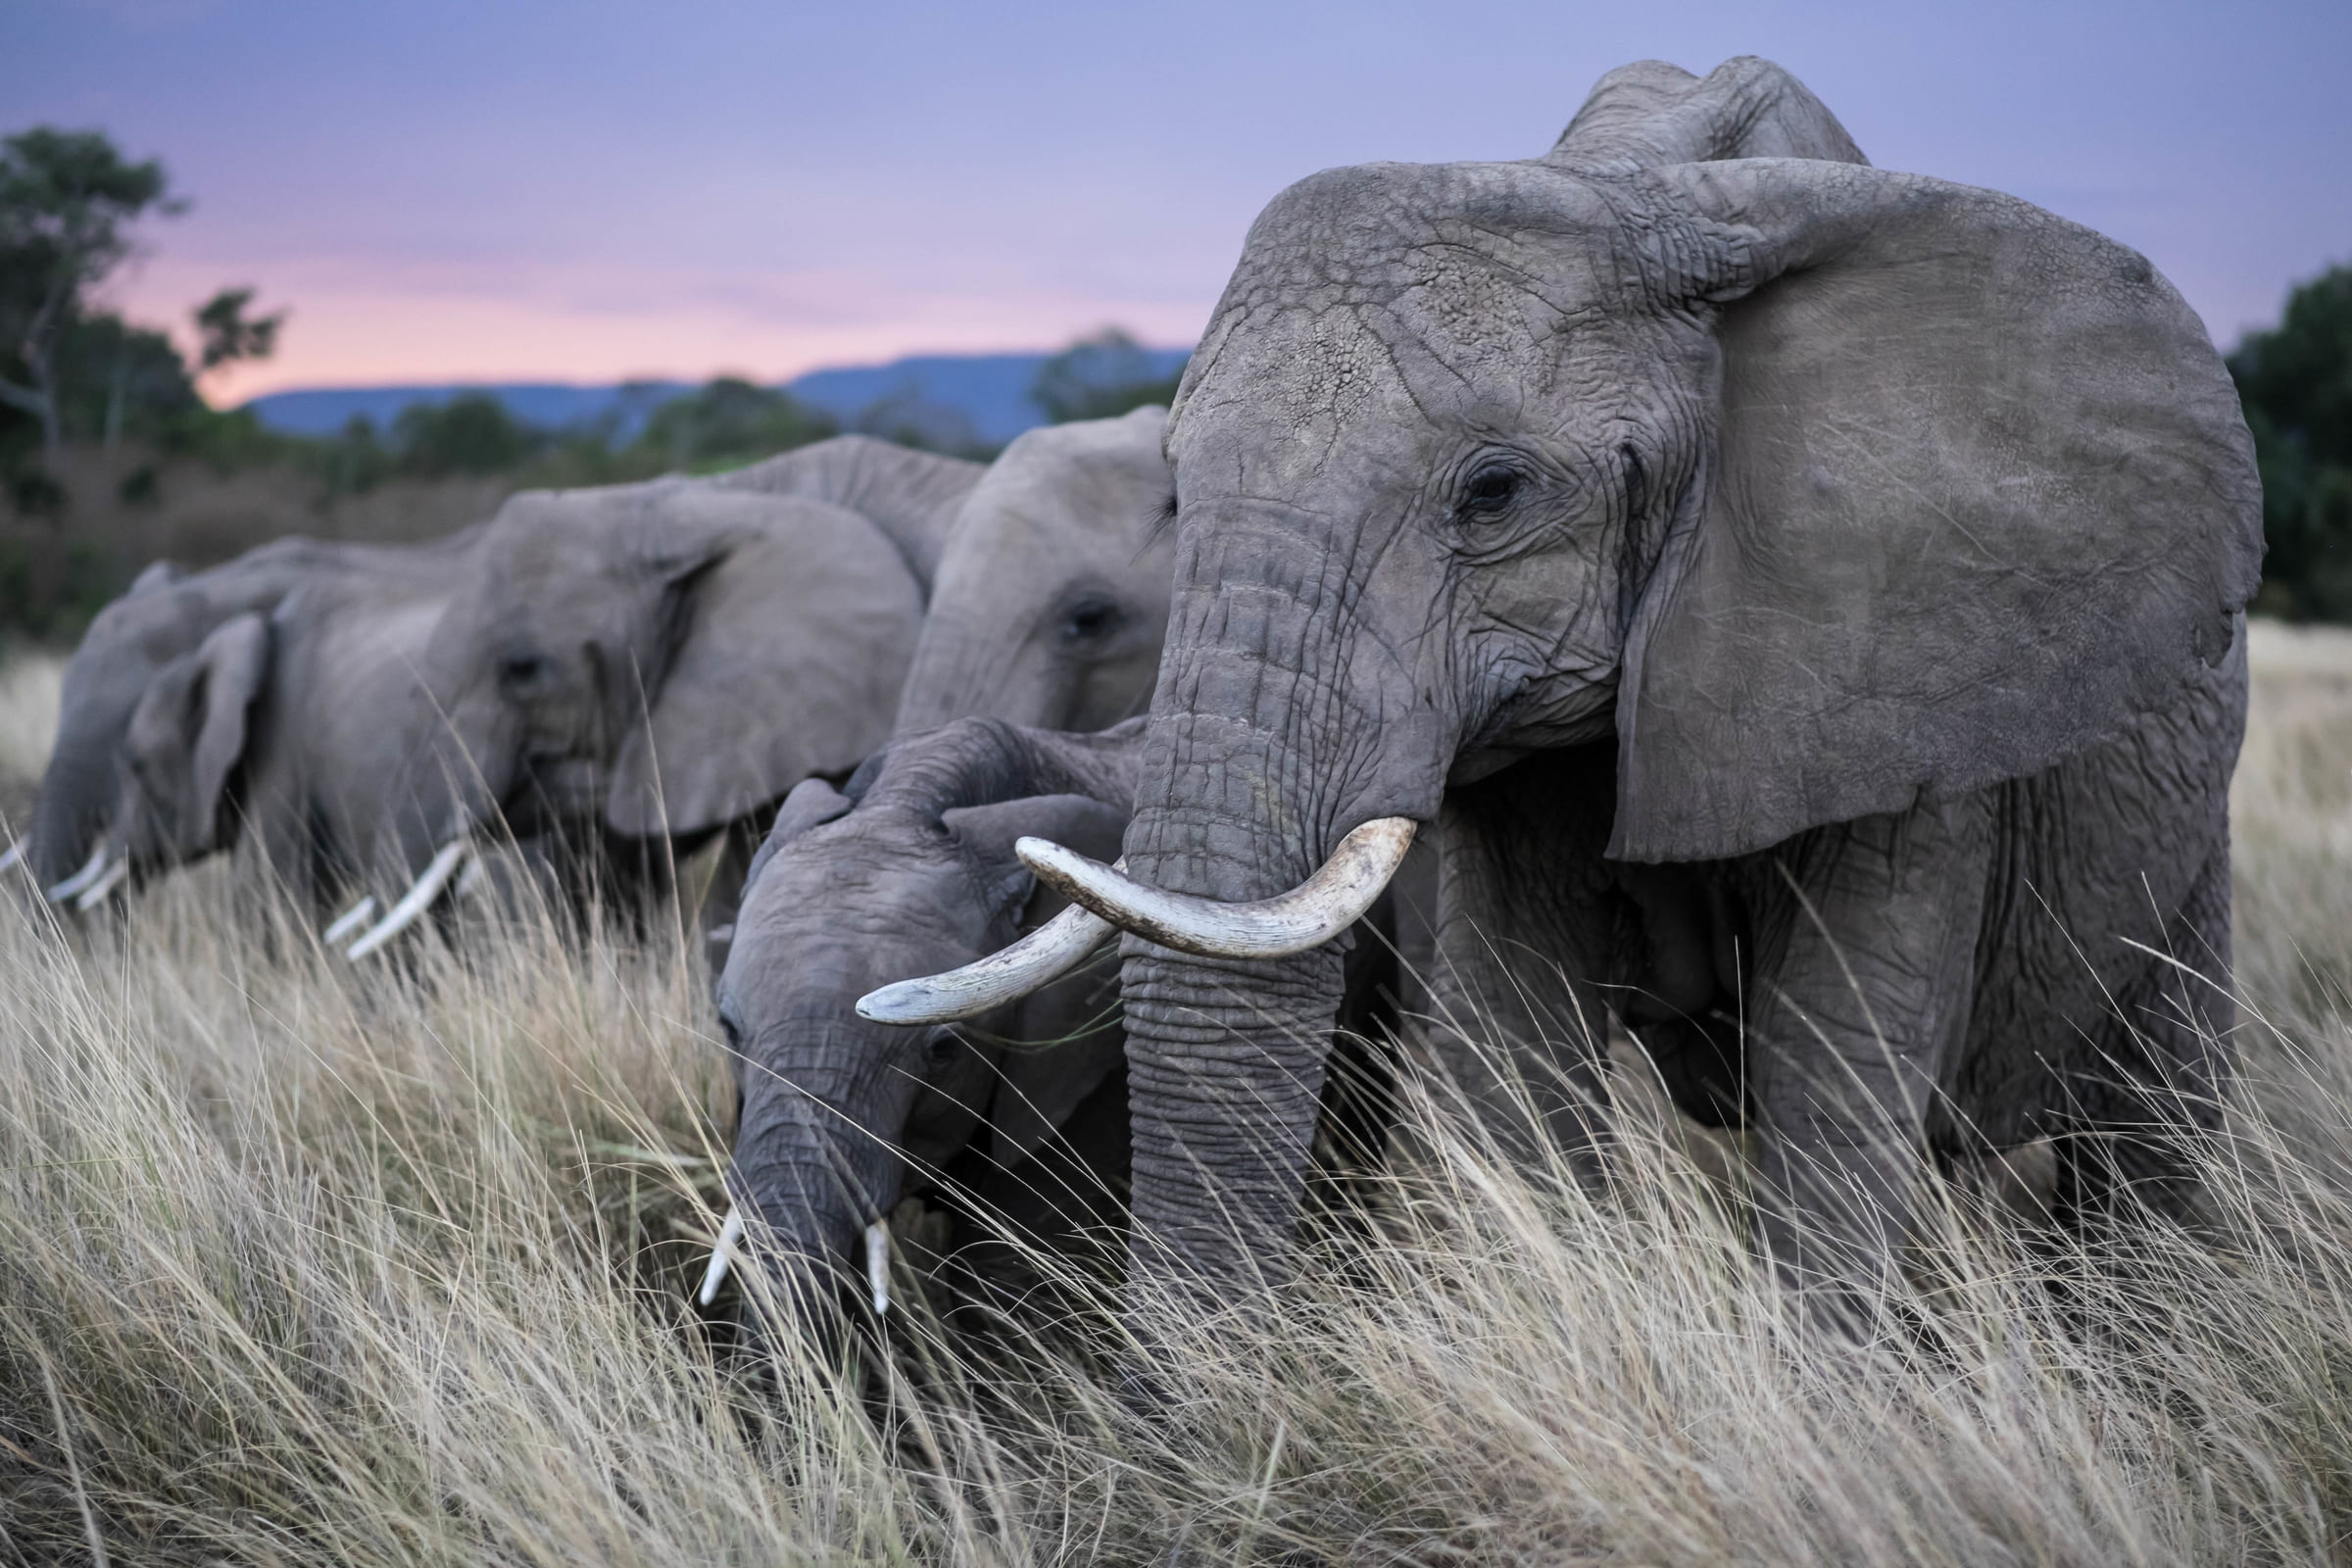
[
  {"x": 477, "y": 875},
  {"x": 877, "y": 1263},
  {"x": 1007, "y": 974},
  {"x": 13, "y": 858},
  {"x": 414, "y": 903},
  {"x": 1307, "y": 916},
  {"x": 349, "y": 921},
  {"x": 90, "y": 873},
  {"x": 108, "y": 880},
  {"x": 722, "y": 1256}
]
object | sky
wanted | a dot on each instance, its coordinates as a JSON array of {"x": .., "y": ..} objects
[{"x": 477, "y": 190}]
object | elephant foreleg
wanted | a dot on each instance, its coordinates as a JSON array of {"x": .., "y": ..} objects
[{"x": 1863, "y": 983}]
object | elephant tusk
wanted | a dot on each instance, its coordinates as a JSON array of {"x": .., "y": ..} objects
[
  {"x": 477, "y": 873},
  {"x": 877, "y": 1263},
  {"x": 95, "y": 894},
  {"x": 1007, "y": 974},
  {"x": 414, "y": 903},
  {"x": 349, "y": 921},
  {"x": 90, "y": 873},
  {"x": 1307, "y": 916},
  {"x": 722, "y": 1256}
]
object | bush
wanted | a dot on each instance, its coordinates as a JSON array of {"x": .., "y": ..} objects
[{"x": 2296, "y": 383}]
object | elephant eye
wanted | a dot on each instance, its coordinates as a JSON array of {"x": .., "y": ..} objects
[
  {"x": 729, "y": 1027},
  {"x": 1090, "y": 621},
  {"x": 943, "y": 1046},
  {"x": 1487, "y": 493}
]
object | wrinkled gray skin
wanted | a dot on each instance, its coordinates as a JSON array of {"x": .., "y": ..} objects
[
  {"x": 841, "y": 1118},
  {"x": 1790, "y": 592},
  {"x": 266, "y": 697},
  {"x": 1052, "y": 597},
  {"x": 666, "y": 659}
]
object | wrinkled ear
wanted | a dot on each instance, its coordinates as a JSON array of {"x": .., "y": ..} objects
[
  {"x": 1649, "y": 115},
  {"x": 1979, "y": 494},
  {"x": 812, "y": 802},
  {"x": 232, "y": 662},
  {"x": 789, "y": 650},
  {"x": 987, "y": 833}
]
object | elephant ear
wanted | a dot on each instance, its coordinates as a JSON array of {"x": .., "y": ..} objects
[
  {"x": 1979, "y": 494},
  {"x": 201, "y": 710},
  {"x": 1649, "y": 115},
  {"x": 790, "y": 639},
  {"x": 812, "y": 803},
  {"x": 914, "y": 497},
  {"x": 1070, "y": 1048}
]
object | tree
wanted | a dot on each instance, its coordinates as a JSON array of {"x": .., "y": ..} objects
[
  {"x": 2295, "y": 381},
  {"x": 731, "y": 420},
  {"x": 67, "y": 199},
  {"x": 224, "y": 334},
  {"x": 471, "y": 434},
  {"x": 1100, "y": 378}
]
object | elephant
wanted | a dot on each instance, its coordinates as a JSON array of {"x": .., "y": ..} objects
[
  {"x": 840, "y": 1118},
  {"x": 844, "y": 1113},
  {"x": 1051, "y": 596},
  {"x": 260, "y": 696},
  {"x": 1803, "y": 602},
  {"x": 632, "y": 670}
]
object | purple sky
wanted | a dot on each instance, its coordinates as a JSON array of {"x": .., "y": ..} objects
[{"x": 586, "y": 191}]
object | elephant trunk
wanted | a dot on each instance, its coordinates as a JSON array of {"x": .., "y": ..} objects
[
  {"x": 816, "y": 1163},
  {"x": 79, "y": 790},
  {"x": 1246, "y": 786}
]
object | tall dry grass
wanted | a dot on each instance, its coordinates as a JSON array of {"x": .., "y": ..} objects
[{"x": 306, "y": 1266}]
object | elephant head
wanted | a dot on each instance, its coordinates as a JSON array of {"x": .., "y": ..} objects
[
  {"x": 841, "y": 1114},
  {"x": 1052, "y": 597},
  {"x": 651, "y": 660},
  {"x": 1814, "y": 490},
  {"x": 151, "y": 649}
]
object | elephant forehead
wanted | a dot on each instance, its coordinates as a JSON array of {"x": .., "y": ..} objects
[{"x": 1395, "y": 294}]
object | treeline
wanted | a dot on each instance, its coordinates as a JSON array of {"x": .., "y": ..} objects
[{"x": 2295, "y": 381}]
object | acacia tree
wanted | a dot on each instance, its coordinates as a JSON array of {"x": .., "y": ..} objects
[{"x": 67, "y": 201}]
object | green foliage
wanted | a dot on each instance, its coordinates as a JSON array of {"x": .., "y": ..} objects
[
  {"x": 729, "y": 423},
  {"x": 225, "y": 334},
  {"x": 471, "y": 434},
  {"x": 2296, "y": 383},
  {"x": 1100, "y": 378},
  {"x": 67, "y": 200}
]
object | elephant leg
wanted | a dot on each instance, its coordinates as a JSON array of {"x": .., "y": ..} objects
[
  {"x": 1864, "y": 974},
  {"x": 2143, "y": 1118},
  {"x": 1528, "y": 922}
]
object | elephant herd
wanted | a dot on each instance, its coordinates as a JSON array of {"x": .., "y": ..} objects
[{"x": 1692, "y": 585}]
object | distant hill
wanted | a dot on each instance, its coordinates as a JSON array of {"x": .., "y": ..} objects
[{"x": 947, "y": 395}]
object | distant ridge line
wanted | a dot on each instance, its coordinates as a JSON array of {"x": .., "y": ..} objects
[{"x": 989, "y": 391}]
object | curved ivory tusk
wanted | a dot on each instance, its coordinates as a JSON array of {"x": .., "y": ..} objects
[
  {"x": 14, "y": 857},
  {"x": 90, "y": 873},
  {"x": 414, "y": 903},
  {"x": 877, "y": 1263},
  {"x": 1307, "y": 916},
  {"x": 478, "y": 874},
  {"x": 1007, "y": 974},
  {"x": 95, "y": 894},
  {"x": 722, "y": 1256},
  {"x": 349, "y": 921}
]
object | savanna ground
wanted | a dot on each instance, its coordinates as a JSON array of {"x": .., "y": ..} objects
[{"x": 306, "y": 1265}]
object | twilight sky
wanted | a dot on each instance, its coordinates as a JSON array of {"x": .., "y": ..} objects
[{"x": 474, "y": 189}]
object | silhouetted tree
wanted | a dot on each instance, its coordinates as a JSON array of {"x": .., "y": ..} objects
[
  {"x": 2295, "y": 381},
  {"x": 471, "y": 434},
  {"x": 1100, "y": 378},
  {"x": 67, "y": 199},
  {"x": 225, "y": 334},
  {"x": 731, "y": 420}
]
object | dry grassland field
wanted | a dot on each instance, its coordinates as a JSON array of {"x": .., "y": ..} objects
[{"x": 303, "y": 1264}]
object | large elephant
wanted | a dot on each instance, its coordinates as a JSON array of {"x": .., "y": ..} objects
[
  {"x": 1802, "y": 599},
  {"x": 1051, "y": 596},
  {"x": 266, "y": 697},
  {"x": 633, "y": 669},
  {"x": 841, "y": 1118}
]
